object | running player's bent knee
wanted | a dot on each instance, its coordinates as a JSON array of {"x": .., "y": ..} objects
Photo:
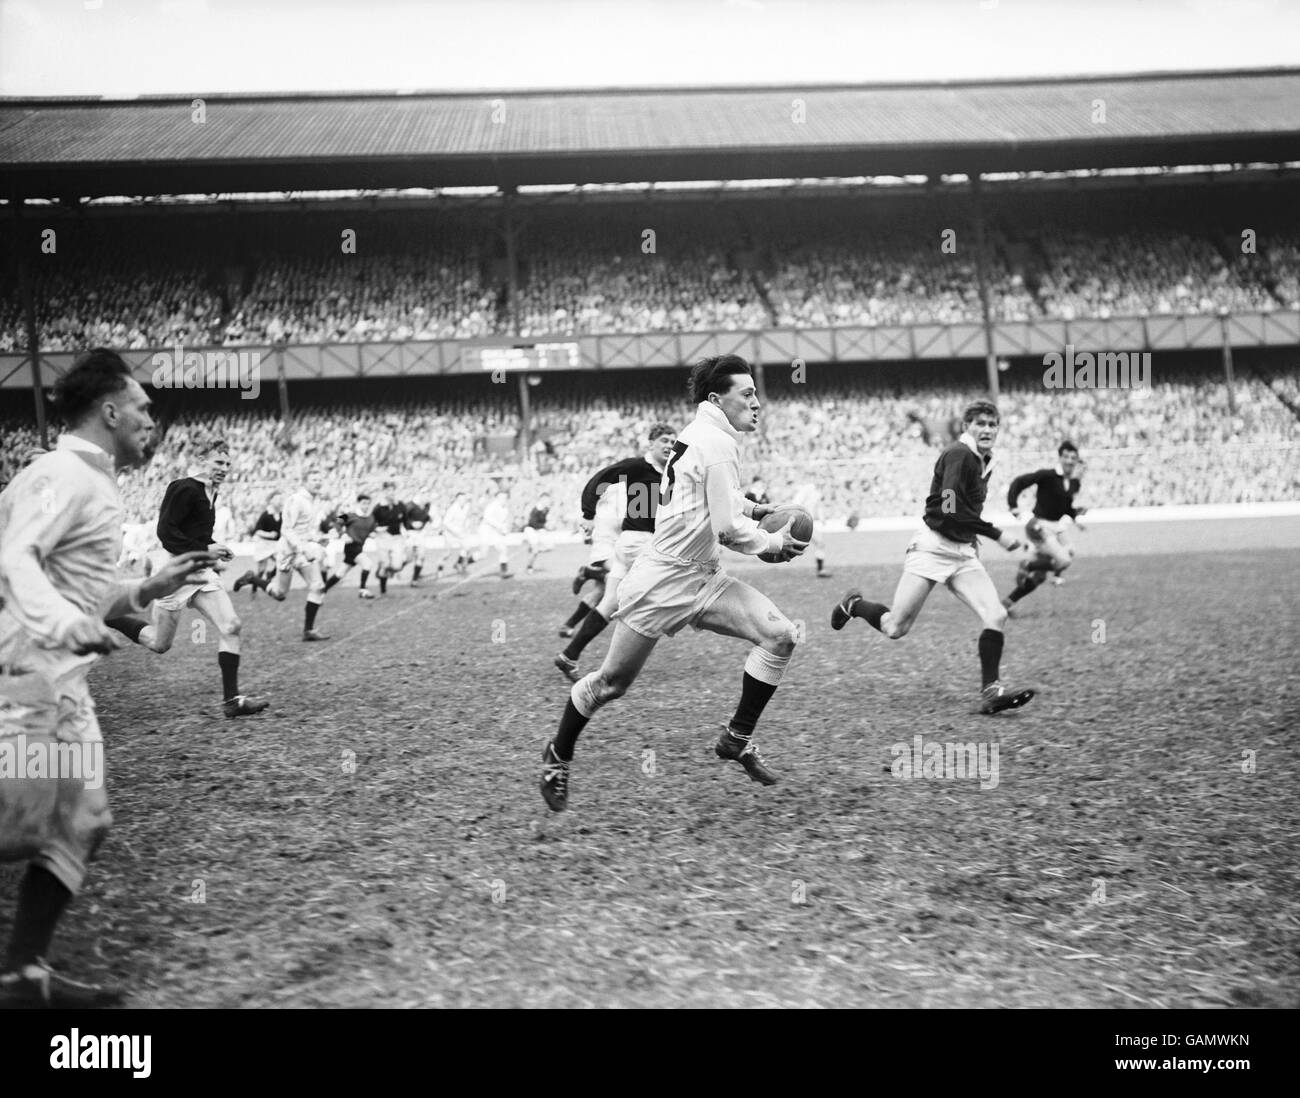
[
  {"x": 995, "y": 618},
  {"x": 895, "y": 628},
  {"x": 232, "y": 626},
  {"x": 781, "y": 641},
  {"x": 592, "y": 691}
]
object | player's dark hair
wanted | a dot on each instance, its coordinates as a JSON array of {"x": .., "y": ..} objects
[
  {"x": 363, "y": 495},
  {"x": 661, "y": 429},
  {"x": 714, "y": 374},
  {"x": 213, "y": 446},
  {"x": 980, "y": 408},
  {"x": 1067, "y": 447},
  {"x": 95, "y": 375}
]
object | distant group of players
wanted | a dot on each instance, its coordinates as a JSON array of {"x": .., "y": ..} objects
[{"x": 658, "y": 523}]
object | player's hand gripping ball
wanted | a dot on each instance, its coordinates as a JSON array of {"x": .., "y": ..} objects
[{"x": 801, "y": 528}]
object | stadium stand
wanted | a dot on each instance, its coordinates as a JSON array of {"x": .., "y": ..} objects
[{"x": 867, "y": 440}]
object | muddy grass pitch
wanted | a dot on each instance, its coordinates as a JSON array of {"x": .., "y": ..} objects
[{"x": 377, "y": 837}]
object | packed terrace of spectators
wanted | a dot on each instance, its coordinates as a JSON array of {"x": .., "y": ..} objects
[
  {"x": 866, "y": 440},
  {"x": 225, "y": 278}
]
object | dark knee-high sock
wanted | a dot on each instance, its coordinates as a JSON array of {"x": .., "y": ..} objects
[
  {"x": 870, "y": 612},
  {"x": 754, "y": 696},
  {"x": 310, "y": 620},
  {"x": 383, "y": 583},
  {"x": 587, "y": 632},
  {"x": 1033, "y": 580},
  {"x": 418, "y": 569},
  {"x": 821, "y": 563},
  {"x": 365, "y": 578},
  {"x": 130, "y": 627},
  {"x": 577, "y": 616},
  {"x": 332, "y": 582},
  {"x": 571, "y": 726},
  {"x": 229, "y": 664},
  {"x": 990, "y": 654},
  {"x": 41, "y": 900}
]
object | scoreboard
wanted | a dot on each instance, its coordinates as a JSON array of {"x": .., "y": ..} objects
[{"x": 522, "y": 356}]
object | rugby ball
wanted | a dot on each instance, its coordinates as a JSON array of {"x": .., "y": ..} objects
[{"x": 801, "y": 527}]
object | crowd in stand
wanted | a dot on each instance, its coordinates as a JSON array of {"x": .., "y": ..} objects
[
  {"x": 869, "y": 448},
  {"x": 596, "y": 270}
]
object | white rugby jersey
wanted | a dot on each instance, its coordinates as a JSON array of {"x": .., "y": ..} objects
[
  {"x": 701, "y": 505},
  {"x": 453, "y": 522},
  {"x": 60, "y": 538},
  {"x": 301, "y": 519},
  {"x": 496, "y": 516}
]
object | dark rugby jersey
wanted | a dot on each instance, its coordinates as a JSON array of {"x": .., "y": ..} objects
[
  {"x": 390, "y": 517},
  {"x": 1055, "y": 493},
  {"x": 268, "y": 523},
  {"x": 186, "y": 517},
  {"x": 642, "y": 492},
  {"x": 957, "y": 493},
  {"x": 357, "y": 527},
  {"x": 416, "y": 517}
]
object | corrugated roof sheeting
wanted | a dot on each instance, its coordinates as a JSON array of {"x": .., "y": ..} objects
[{"x": 305, "y": 128}]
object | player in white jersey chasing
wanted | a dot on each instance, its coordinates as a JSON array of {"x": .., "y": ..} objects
[
  {"x": 602, "y": 535},
  {"x": 678, "y": 581},
  {"x": 301, "y": 551}
]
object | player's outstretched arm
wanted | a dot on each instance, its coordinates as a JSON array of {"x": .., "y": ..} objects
[
  {"x": 1018, "y": 486},
  {"x": 175, "y": 574},
  {"x": 1009, "y": 541}
]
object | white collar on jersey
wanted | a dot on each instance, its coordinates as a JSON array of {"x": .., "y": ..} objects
[
  {"x": 968, "y": 440},
  {"x": 715, "y": 416},
  {"x": 198, "y": 474},
  {"x": 91, "y": 452}
]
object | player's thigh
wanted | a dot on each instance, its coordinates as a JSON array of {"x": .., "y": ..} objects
[
  {"x": 608, "y": 601},
  {"x": 165, "y": 622},
  {"x": 628, "y": 652},
  {"x": 745, "y": 612},
  {"x": 218, "y": 609},
  {"x": 909, "y": 597},
  {"x": 974, "y": 587},
  {"x": 1056, "y": 551}
]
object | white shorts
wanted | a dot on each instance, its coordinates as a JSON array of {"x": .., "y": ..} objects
[
  {"x": 932, "y": 556},
  {"x": 492, "y": 538},
  {"x": 181, "y": 598},
  {"x": 264, "y": 550},
  {"x": 604, "y": 537},
  {"x": 302, "y": 556},
  {"x": 661, "y": 594},
  {"x": 55, "y": 820},
  {"x": 630, "y": 545},
  {"x": 386, "y": 544}
]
